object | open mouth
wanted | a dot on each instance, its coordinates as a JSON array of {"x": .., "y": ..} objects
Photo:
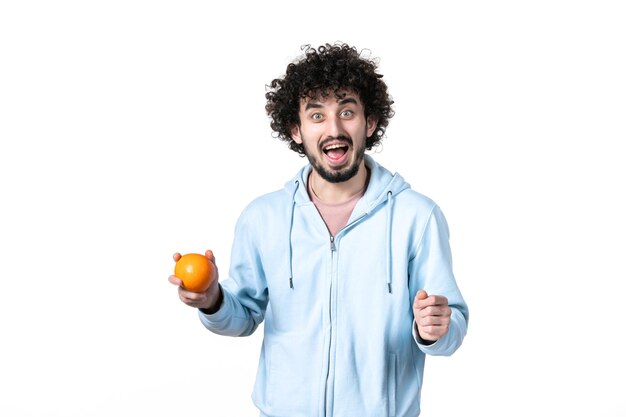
[{"x": 335, "y": 151}]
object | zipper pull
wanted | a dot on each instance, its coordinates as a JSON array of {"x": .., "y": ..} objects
[{"x": 332, "y": 244}]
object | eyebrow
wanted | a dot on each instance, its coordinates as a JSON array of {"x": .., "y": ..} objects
[
  {"x": 316, "y": 105},
  {"x": 348, "y": 100},
  {"x": 312, "y": 105}
]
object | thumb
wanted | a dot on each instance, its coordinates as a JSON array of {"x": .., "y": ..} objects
[{"x": 422, "y": 295}]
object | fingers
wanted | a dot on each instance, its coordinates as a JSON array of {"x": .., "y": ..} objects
[
  {"x": 434, "y": 320},
  {"x": 175, "y": 280},
  {"x": 423, "y": 300},
  {"x": 185, "y": 296},
  {"x": 208, "y": 254},
  {"x": 432, "y": 333},
  {"x": 190, "y": 297},
  {"x": 208, "y": 299},
  {"x": 431, "y": 310},
  {"x": 431, "y": 327}
]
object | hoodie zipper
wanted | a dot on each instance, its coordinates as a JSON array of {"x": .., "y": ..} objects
[{"x": 331, "y": 305}]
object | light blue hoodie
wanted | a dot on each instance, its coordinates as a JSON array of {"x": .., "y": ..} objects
[{"x": 339, "y": 336}]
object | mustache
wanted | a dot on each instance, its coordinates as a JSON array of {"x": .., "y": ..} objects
[{"x": 329, "y": 139}]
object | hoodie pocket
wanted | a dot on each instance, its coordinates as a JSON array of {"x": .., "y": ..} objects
[
  {"x": 391, "y": 384},
  {"x": 288, "y": 385}
]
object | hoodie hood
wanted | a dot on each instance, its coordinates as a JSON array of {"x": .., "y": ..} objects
[{"x": 382, "y": 187}]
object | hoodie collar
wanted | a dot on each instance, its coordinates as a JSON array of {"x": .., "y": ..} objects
[{"x": 381, "y": 182}]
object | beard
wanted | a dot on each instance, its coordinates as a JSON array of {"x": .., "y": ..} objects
[{"x": 341, "y": 174}]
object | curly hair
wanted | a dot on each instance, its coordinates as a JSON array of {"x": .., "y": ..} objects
[{"x": 325, "y": 70}]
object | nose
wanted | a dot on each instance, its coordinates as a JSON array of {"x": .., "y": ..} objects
[{"x": 334, "y": 127}]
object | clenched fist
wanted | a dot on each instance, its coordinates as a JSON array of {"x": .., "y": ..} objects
[{"x": 432, "y": 315}]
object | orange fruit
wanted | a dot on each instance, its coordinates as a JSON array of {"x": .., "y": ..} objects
[{"x": 195, "y": 271}]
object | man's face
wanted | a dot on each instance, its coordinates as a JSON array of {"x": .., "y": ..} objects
[{"x": 333, "y": 132}]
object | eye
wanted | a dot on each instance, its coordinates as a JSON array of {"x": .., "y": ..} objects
[
  {"x": 347, "y": 113},
  {"x": 316, "y": 116}
]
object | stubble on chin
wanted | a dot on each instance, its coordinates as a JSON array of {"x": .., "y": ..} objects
[{"x": 337, "y": 175}]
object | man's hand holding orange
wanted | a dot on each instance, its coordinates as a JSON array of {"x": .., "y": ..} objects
[{"x": 205, "y": 291}]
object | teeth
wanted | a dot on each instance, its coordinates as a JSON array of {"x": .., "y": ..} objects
[{"x": 338, "y": 145}]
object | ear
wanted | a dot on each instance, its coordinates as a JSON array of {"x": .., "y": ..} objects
[
  {"x": 295, "y": 134},
  {"x": 372, "y": 122}
]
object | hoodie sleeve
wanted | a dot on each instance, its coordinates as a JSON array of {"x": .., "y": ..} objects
[
  {"x": 431, "y": 270},
  {"x": 245, "y": 290}
]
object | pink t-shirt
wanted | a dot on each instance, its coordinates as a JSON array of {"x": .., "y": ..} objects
[{"x": 335, "y": 216}]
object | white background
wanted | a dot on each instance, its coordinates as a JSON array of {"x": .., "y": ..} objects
[{"x": 133, "y": 129}]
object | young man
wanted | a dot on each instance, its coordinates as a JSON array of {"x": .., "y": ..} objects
[{"x": 350, "y": 268}]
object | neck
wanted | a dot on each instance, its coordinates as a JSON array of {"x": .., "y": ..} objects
[{"x": 334, "y": 193}]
